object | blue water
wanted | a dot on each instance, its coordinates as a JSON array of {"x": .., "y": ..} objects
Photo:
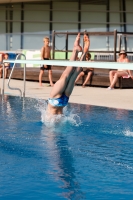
[{"x": 89, "y": 158}]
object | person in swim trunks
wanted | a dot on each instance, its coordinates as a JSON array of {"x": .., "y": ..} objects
[
  {"x": 45, "y": 55},
  {"x": 115, "y": 74},
  {"x": 48, "y": 67},
  {"x": 63, "y": 88}
]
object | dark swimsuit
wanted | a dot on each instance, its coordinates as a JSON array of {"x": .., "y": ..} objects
[
  {"x": 45, "y": 68},
  {"x": 87, "y": 71}
]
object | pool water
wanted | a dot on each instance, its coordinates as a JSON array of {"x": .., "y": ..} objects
[{"x": 88, "y": 156}]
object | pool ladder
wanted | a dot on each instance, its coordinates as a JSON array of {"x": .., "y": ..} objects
[{"x": 8, "y": 83}]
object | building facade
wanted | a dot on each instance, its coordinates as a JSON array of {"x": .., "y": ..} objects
[{"x": 24, "y": 24}]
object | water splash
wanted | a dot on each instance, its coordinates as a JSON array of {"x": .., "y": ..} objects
[
  {"x": 128, "y": 133},
  {"x": 53, "y": 120}
]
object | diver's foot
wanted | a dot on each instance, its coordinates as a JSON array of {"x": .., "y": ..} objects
[
  {"x": 77, "y": 40},
  {"x": 77, "y": 47}
]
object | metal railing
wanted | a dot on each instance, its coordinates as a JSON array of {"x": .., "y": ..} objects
[{"x": 8, "y": 83}]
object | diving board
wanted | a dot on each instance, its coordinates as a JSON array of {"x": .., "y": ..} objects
[{"x": 92, "y": 64}]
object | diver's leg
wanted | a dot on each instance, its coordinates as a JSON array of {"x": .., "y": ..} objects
[
  {"x": 71, "y": 82},
  {"x": 60, "y": 85}
]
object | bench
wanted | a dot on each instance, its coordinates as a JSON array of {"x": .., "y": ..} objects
[
  {"x": 100, "y": 78},
  {"x": 126, "y": 83},
  {"x": 32, "y": 74}
]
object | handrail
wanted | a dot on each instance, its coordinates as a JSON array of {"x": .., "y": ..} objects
[{"x": 11, "y": 75}]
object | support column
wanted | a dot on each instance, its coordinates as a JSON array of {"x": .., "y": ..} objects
[
  {"x": 22, "y": 26},
  {"x": 124, "y": 22}
]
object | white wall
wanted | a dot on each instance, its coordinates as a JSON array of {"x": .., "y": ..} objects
[
  {"x": 16, "y": 36},
  {"x": 65, "y": 18},
  {"x": 2, "y": 29},
  {"x": 115, "y": 15},
  {"x": 37, "y": 27}
]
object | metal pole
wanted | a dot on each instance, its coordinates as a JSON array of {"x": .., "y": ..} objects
[
  {"x": 9, "y": 82},
  {"x": 67, "y": 45},
  {"x": 119, "y": 42},
  {"x": 3, "y": 85},
  {"x": 24, "y": 79},
  {"x": 115, "y": 42},
  {"x": 79, "y": 15},
  {"x": 11, "y": 76},
  {"x": 53, "y": 44}
]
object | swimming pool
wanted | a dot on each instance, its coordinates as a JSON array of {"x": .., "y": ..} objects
[{"x": 88, "y": 156}]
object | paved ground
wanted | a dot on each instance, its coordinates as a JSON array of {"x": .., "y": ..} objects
[{"x": 118, "y": 98}]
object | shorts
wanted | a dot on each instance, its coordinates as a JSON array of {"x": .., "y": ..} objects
[
  {"x": 7, "y": 67},
  {"x": 45, "y": 68},
  {"x": 59, "y": 102},
  {"x": 87, "y": 71}
]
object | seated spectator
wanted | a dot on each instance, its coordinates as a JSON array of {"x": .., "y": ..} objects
[
  {"x": 115, "y": 74},
  {"x": 6, "y": 66},
  {"x": 1, "y": 58},
  {"x": 88, "y": 72}
]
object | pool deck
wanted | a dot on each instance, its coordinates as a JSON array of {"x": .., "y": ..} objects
[{"x": 117, "y": 98}]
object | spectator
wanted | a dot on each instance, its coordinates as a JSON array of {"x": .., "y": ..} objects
[
  {"x": 115, "y": 74},
  {"x": 86, "y": 41},
  {"x": 45, "y": 55},
  {"x": 88, "y": 72},
  {"x": 1, "y": 58},
  {"x": 6, "y": 66}
]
